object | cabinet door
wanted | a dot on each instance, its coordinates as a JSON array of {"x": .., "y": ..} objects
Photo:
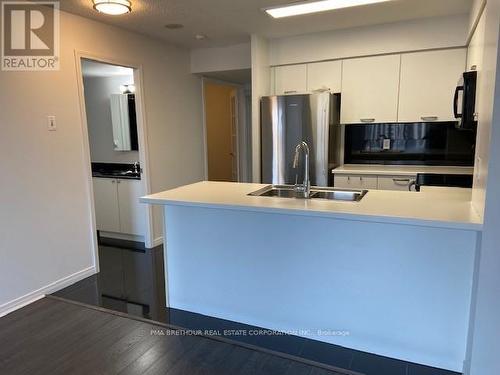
[
  {"x": 324, "y": 75},
  {"x": 428, "y": 81},
  {"x": 370, "y": 89},
  {"x": 355, "y": 182},
  {"x": 106, "y": 204},
  {"x": 132, "y": 213},
  {"x": 401, "y": 183},
  {"x": 291, "y": 79}
]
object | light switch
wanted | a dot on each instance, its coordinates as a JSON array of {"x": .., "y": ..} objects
[
  {"x": 51, "y": 123},
  {"x": 387, "y": 144}
]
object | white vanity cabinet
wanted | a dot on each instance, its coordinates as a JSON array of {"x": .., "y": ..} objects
[
  {"x": 428, "y": 81},
  {"x": 107, "y": 214},
  {"x": 117, "y": 206},
  {"x": 325, "y": 75},
  {"x": 290, "y": 79},
  {"x": 370, "y": 89}
]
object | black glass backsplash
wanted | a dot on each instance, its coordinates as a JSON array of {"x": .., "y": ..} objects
[{"x": 415, "y": 143}]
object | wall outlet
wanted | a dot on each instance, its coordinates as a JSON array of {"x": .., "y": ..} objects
[
  {"x": 387, "y": 144},
  {"x": 51, "y": 123}
]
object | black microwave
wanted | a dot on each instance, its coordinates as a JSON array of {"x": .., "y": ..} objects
[{"x": 464, "y": 101}]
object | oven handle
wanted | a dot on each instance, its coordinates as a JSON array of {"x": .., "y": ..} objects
[{"x": 455, "y": 102}]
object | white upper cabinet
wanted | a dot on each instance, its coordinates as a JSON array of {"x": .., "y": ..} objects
[
  {"x": 370, "y": 89},
  {"x": 428, "y": 81},
  {"x": 324, "y": 75},
  {"x": 290, "y": 79}
]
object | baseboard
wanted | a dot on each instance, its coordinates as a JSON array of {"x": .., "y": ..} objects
[
  {"x": 31, "y": 297},
  {"x": 158, "y": 241},
  {"x": 122, "y": 236}
]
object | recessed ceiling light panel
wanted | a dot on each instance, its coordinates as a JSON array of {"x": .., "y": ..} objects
[
  {"x": 113, "y": 7},
  {"x": 297, "y": 9}
]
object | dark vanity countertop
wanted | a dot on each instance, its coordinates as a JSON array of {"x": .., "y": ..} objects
[{"x": 115, "y": 170}]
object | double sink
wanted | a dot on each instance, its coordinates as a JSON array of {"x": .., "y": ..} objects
[{"x": 289, "y": 191}]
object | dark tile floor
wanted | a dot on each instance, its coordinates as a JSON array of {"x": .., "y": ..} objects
[{"x": 131, "y": 280}]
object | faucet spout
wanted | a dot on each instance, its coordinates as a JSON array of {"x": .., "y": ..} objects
[{"x": 303, "y": 190}]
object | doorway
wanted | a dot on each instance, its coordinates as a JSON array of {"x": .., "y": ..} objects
[
  {"x": 115, "y": 147},
  {"x": 221, "y": 126}
]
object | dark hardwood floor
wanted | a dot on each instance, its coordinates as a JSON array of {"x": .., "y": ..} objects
[
  {"x": 132, "y": 281},
  {"x": 53, "y": 336}
]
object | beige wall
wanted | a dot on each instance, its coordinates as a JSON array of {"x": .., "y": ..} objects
[
  {"x": 44, "y": 217},
  {"x": 431, "y": 33},
  {"x": 484, "y": 340},
  {"x": 218, "y": 128},
  {"x": 261, "y": 86}
]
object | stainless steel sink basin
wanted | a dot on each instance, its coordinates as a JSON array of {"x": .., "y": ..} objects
[
  {"x": 288, "y": 191},
  {"x": 339, "y": 195}
]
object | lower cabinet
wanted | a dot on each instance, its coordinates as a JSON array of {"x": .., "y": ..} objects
[
  {"x": 117, "y": 206},
  {"x": 355, "y": 182},
  {"x": 401, "y": 183},
  {"x": 374, "y": 182}
]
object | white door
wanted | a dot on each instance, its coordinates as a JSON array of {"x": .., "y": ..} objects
[
  {"x": 370, "y": 89},
  {"x": 106, "y": 204},
  {"x": 428, "y": 81},
  {"x": 324, "y": 75},
  {"x": 290, "y": 79},
  {"x": 132, "y": 213}
]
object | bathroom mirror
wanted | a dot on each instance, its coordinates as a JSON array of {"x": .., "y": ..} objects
[{"x": 124, "y": 122}]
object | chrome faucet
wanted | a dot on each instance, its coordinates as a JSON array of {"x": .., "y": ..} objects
[{"x": 303, "y": 190}]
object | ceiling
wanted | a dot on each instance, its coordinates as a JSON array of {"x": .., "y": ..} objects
[
  {"x": 227, "y": 22},
  {"x": 92, "y": 68}
]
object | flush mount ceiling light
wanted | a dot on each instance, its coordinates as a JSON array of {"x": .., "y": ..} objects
[
  {"x": 296, "y": 9},
  {"x": 113, "y": 7}
]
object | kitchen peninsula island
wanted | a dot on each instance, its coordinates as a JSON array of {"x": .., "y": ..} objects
[{"x": 393, "y": 272}]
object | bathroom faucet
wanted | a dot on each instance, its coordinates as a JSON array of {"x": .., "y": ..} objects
[{"x": 303, "y": 190}]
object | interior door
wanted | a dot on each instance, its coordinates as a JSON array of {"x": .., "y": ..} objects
[{"x": 221, "y": 135}]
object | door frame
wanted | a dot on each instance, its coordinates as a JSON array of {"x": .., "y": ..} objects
[
  {"x": 142, "y": 131},
  {"x": 238, "y": 87}
]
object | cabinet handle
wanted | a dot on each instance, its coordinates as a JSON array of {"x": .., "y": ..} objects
[
  {"x": 118, "y": 182},
  {"x": 367, "y": 119},
  {"x": 290, "y": 91},
  {"x": 429, "y": 118},
  {"x": 113, "y": 181},
  {"x": 401, "y": 180}
]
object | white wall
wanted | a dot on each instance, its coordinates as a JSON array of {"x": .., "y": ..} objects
[
  {"x": 484, "y": 340},
  {"x": 235, "y": 57},
  {"x": 441, "y": 32},
  {"x": 261, "y": 86},
  {"x": 476, "y": 9},
  {"x": 97, "y": 103},
  {"x": 45, "y": 219}
]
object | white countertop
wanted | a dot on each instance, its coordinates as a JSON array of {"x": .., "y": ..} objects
[
  {"x": 400, "y": 170},
  {"x": 441, "y": 207}
]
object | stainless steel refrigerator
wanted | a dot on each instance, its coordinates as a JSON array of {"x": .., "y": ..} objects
[{"x": 288, "y": 120}]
